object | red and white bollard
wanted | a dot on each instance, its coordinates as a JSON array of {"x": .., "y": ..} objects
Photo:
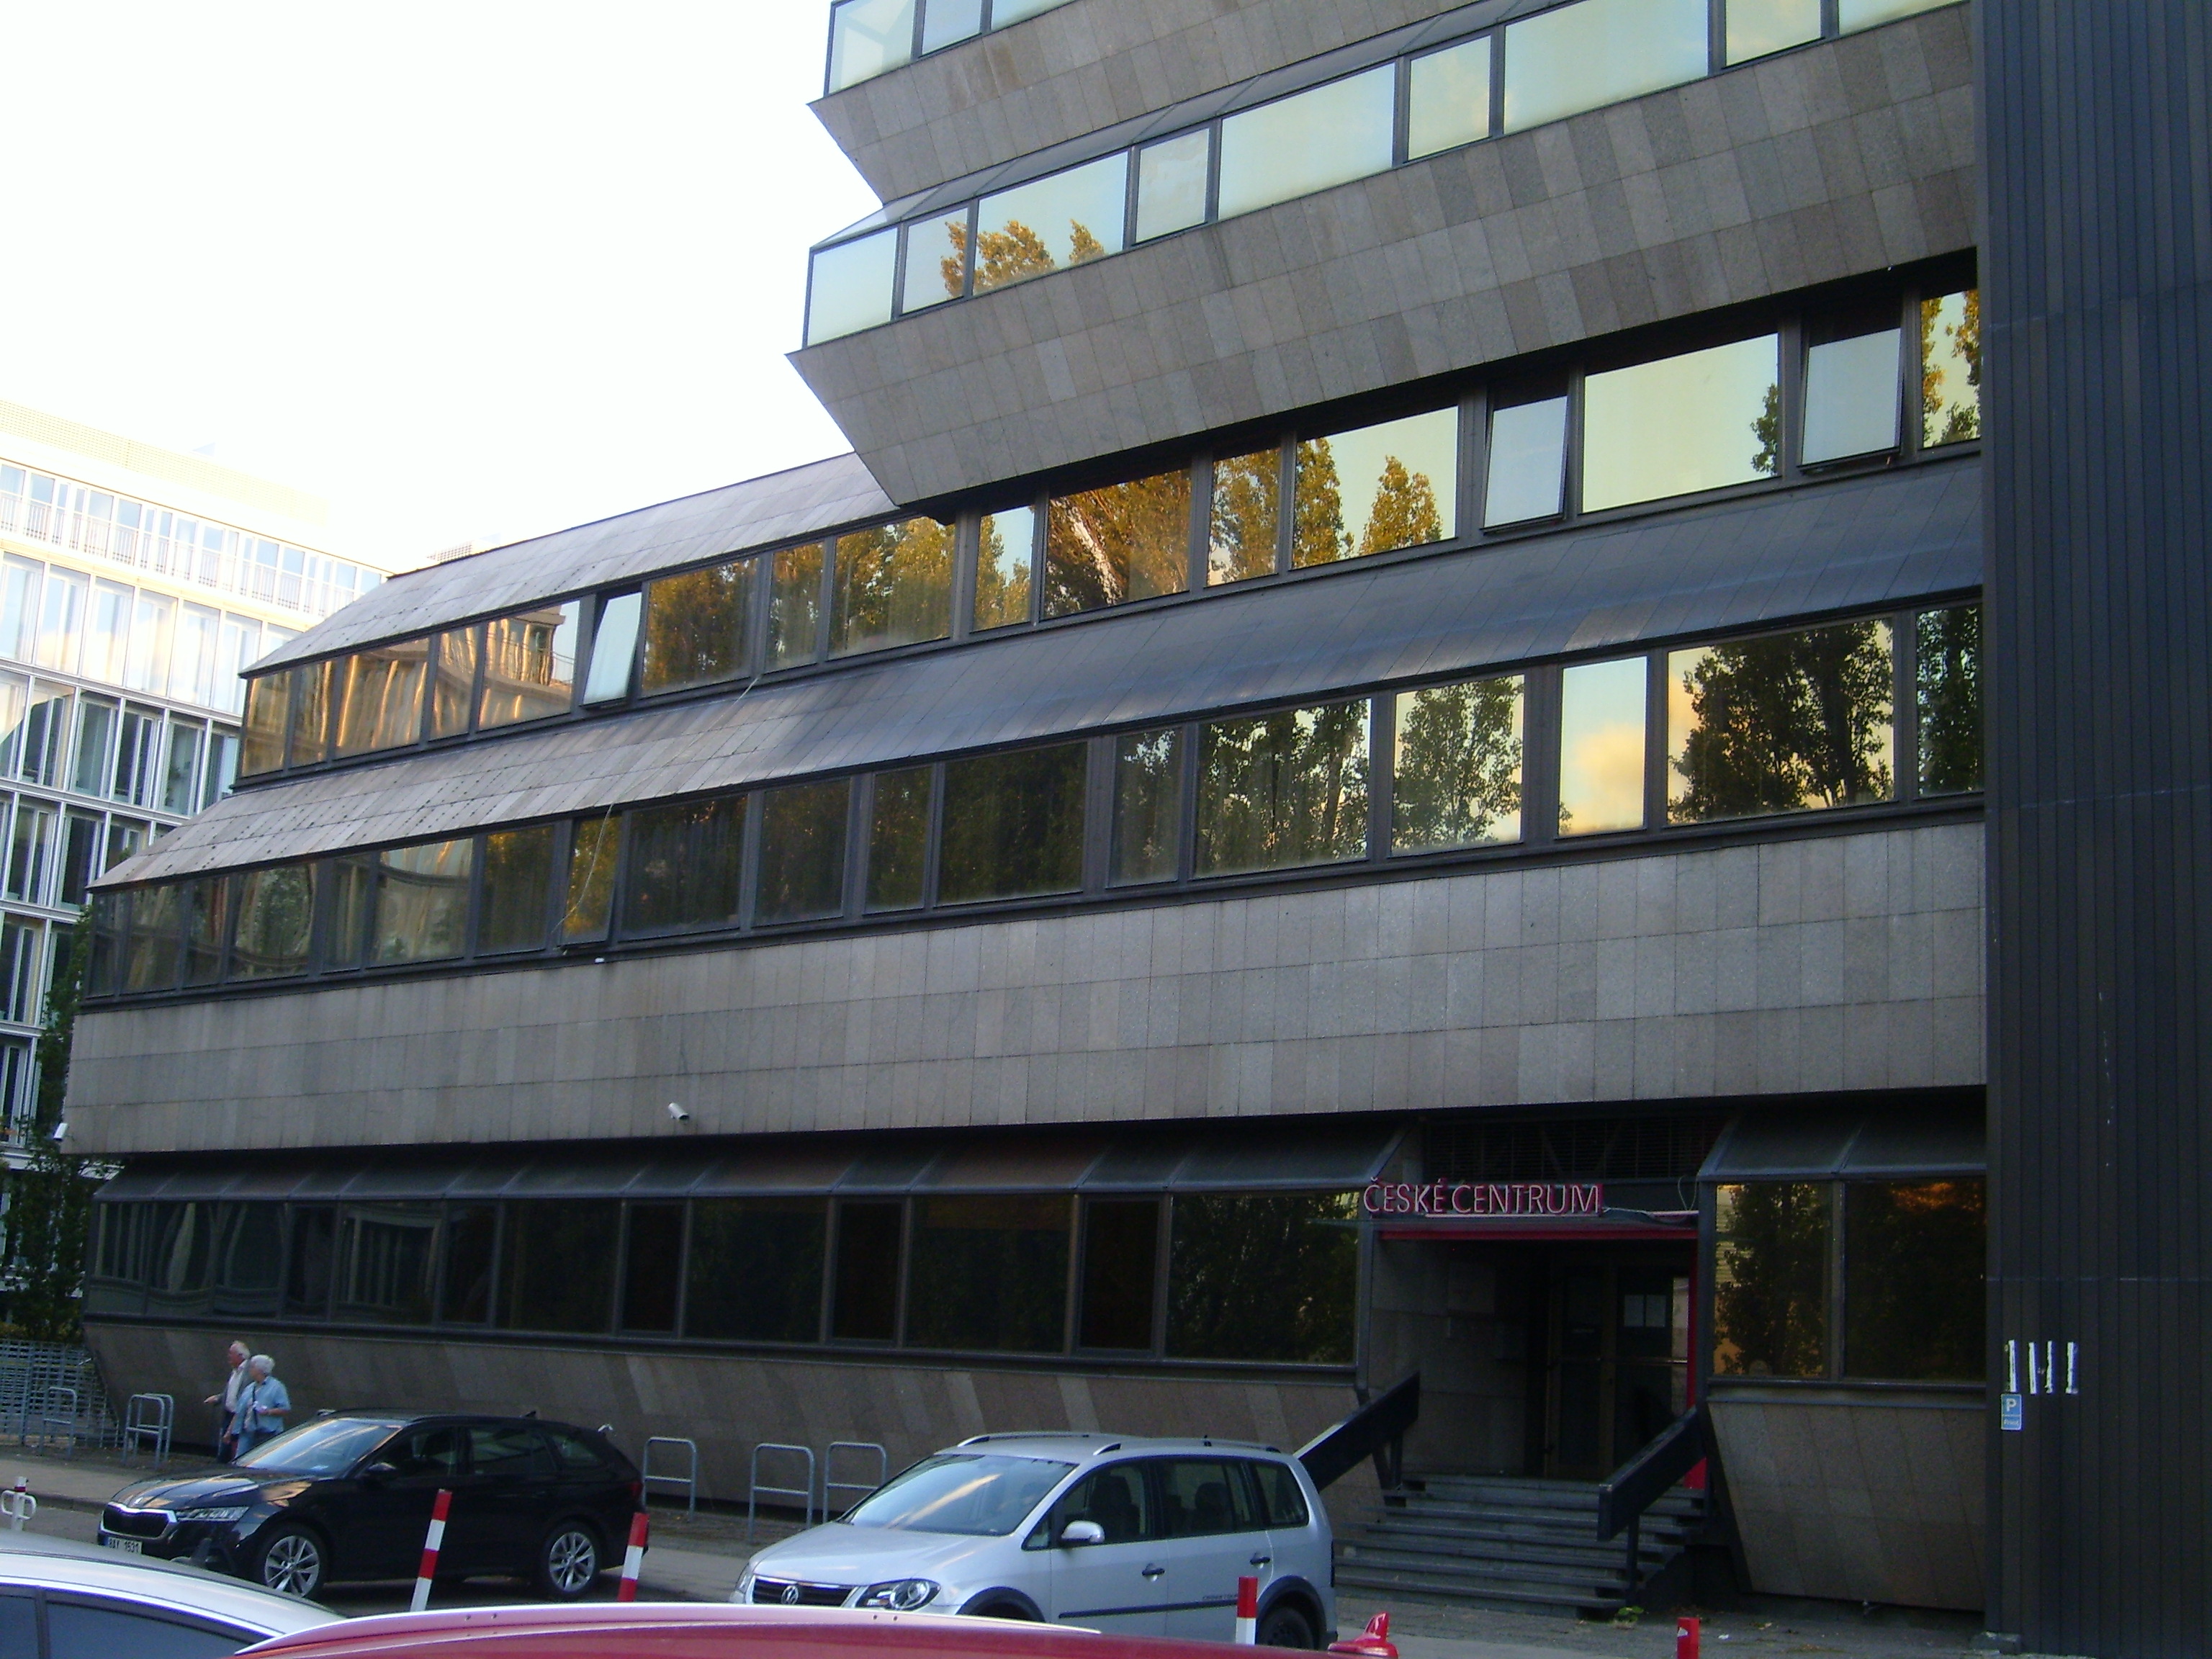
[
  {"x": 1248, "y": 1612},
  {"x": 633, "y": 1558},
  {"x": 1688, "y": 1635},
  {"x": 431, "y": 1542},
  {"x": 1373, "y": 1642}
]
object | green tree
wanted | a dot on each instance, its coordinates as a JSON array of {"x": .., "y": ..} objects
[
  {"x": 1405, "y": 511},
  {"x": 1949, "y": 416},
  {"x": 1767, "y": 429},
  {"x": 892, "y": 586},
  {"x": 1283, "y": 789},
  {"x": 1770, "y": 1290},
  {"x": 48, "y": 1216},
  {"x": 1318, "y": 511},
  {"x": 1012, "y": 255}
]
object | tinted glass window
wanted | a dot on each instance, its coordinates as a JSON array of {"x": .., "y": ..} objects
[
  {"x": 311, "y": 709},
  {"x": 866, "y": 1306},
  {"x": 307, "y": 1272},
  {"x": 87, "y": 1630},
  {"x": 1172, "y": 184},
  {"x": 1262, "y": 1277},
  {"x": 1127, "y": 541},
  {"x": 1601, "y": 739},
  {"x": 380, "y": 697},
  {"x": 1914, "y": 1308},
  {"x": 1771, "y": 1279},
  {"x": 892, "y": 586},
  {"x": 454, "y": 688},
  {"x": 576, "y": 1455},
  {"x": 1599, "y": 51},
  {"x": 936, "y": 261},
  {"x": 1457, "y": 778},
  {"x": 1201, "y": 1496},
  {"x": 975, "y": 1495},
  {"x": 590, "y": 877},
  {"x": 614, "y": 644},
  {"x": 1756, "y": 27},
  {"x": 867, "y": 37},
  {"x": 1948, "y": 684},
  {"x": 989, "y": 1272},
  {"x": 1700, "y": 420},
  {"x": 1247, "y": 512},
  {"x": 509, "y": 1451},
  {"x": 898, "y": 838},
  {"x": 794, "y": 606},
  {"x": 248, "y": 1250},
  {"x": 756, "y": 1268},
  {"x": 156, "y": 957},
  {"x": 1003, "y": 553},
  {"x": 1283, "y": 789},
  {"x": 1013, "y": 825},
  {"x": 1527, "y": 463},
  {"x": 422, "y": 900},
  {"x": 1066, "y": 220},
  {"x": 1282, "y": 1500},
  {"x": 1950, "y": 369},
  {"x": 556, "y": 1273},
  {"x": 802, "y": 853},
  {"x": 685, "y": 865},
  {"x": 19, "y": 1625},
  {"x": 1121, "y": 1251},
  {"x": 207, "y": 921},
  {"x": 1784, "y": 724},
  {"x": 698, "y": 627},
  {"x": 1375, "y": 488},
  {"x": 470, "y": 1231},
  {"x": 945, "y": 21},
  {"x": 267, "y": 702},
  {"x": 517, "y": 882},
  {"x": 1116, "y": 1499},
  {"x": 275, "y": 918},
  {"x": 849, "y": 286},
  {"x": 1850, "y": 396},
  {"x": 328, "y": 1446},
  {"x": 1865, "y": 14},
  {"x": 1447, "y": 98},
  {"x": 1308, "y": 141},
  {"x": 530, "y": 665},
  {"x": 387, "y": 1254},
  {"x": 425, "y": 1454},
  {"x": 1147, "y": 806},
  {"x": 653, "y": 1257}
]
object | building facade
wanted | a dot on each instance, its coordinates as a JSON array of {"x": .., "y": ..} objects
[
  {"x": 1374, "y": 767},
  {"x": 136, "y": 585}
]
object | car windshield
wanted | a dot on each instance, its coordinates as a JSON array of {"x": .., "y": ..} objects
[
  {"x": 329, "y": 1446},
  {"x": 967, "y": 1492}
]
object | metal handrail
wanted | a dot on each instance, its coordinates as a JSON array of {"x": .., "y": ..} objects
[
  {"x": 753, "y": 1488},
  {"x": 1376, "y": 1429},
  {"x": 149, "y": 1419},
  {"x": 829, "y": 1462},
  {"x": 689, "y": 1481},
  {"x": 1633, "y": 1487}
]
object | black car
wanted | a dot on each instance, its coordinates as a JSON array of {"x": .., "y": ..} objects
[{"x": 349, "y": 1497}]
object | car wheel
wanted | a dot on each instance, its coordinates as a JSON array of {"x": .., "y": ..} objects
[
  {"x": 290, "y": 1559},
  {"x": 568, "y": 1561},
  {"x": 1284, "y": 1626}
]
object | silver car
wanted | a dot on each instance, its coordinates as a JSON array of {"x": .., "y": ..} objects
[
  {"x": 101, "y": 1604},
  {"x": 1138, "y": 1537}
]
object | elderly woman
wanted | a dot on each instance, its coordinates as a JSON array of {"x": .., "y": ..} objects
[{"x": 262, "y": 1405}]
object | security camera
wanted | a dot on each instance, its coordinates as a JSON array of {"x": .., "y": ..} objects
[
  {"x": 679, "y": 1113},
  {"x": 61, "y": 1131}
]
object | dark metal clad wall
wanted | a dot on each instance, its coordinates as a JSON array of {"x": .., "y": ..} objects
[
  {"x": 1885, "y": 539},
  {"x": 2097, "y": 282}
]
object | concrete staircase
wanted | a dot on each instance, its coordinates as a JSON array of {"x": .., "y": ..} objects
[{"x": 1504, "y": 1541}]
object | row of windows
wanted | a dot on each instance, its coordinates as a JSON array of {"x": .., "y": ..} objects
[
  {"x": 169, "y": 544},
  {"x": 1539, "y": 69},
  {"x": 1820, "y": 1279},
  {"x": 58, "y": 738},
  {"x": 868, "y": 38},
  {"x": 1789, "y": 722},
  {"x": 1195, "y": 1276},
  {"x": 1587, "y": 441},
  {"x": 55, "y": 853}
]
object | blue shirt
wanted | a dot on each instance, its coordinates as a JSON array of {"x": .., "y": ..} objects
[{"x": 262, "y": 1407}]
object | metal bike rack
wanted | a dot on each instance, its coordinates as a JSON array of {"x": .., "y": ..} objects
[
  {"x": 149, "y": 1421},
  {"x": 689, "y": 1479},
  {"x": 64, "y": 1410},
  {"x": 863, "y": 1487},
  {"x": 753, "y": 1488}
]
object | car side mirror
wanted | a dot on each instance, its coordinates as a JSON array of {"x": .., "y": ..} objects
[
  {"x": 377, "y": 1474},
  {"x": 1082, "y": 1532}
]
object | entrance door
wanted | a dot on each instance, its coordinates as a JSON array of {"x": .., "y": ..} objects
[{"x": 1618, "y": 1360}]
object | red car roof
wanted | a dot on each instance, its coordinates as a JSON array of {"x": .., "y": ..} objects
[{"x": 678, "y": 1630}]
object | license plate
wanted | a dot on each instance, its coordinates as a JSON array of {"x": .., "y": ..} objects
[{"x": 128, "y": 1545}]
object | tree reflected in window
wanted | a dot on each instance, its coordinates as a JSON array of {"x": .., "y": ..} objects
[
  {"x": 1914, "y": 1293},
  {"x": 1771, "y": 1279},
  {"x": 1457, "y": 781},
  {"x": 1951, "y": 369},
  {"x": 1285, "y": 788},
  {"x": 892, "y": 586},
  {"x": 1263, "y": 1276},
  {"x": 1127, "y": 541},
  {"x": 1948, "y": 677},
  {"x": 1375, "y": 489}
]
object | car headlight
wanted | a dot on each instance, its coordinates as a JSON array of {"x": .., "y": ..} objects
[
  {"x": 231, "y": 1512},
  {"x": 900, "y": 1595},
  {"x": 745, "y": 1590}
]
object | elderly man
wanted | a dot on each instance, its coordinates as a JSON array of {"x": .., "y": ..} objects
[
  {"x": 262, "y": 1405},
  {"x": 226, "y": 1436}
]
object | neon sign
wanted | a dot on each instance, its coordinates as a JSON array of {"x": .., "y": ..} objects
[{"x": 1519, "y": 1200}]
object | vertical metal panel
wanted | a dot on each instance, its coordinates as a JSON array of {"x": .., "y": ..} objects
[{"x": 2097, "y": 310}]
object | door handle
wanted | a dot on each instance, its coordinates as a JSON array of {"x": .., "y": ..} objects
[
  {"x": 1262, "y": 1560},
  {"x": 1152, "y": 1572}
]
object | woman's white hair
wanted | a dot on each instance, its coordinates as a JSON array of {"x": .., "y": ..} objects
[{"x": 264, "y": 1362}]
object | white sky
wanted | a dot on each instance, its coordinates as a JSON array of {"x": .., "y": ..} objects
[{"x": 473, "y": 269}]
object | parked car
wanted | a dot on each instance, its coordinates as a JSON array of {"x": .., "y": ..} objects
[
  {"x": 1132, "y": 1537},
  {"x": 349, "y": 1497},
  {"x": 94, "y": 1604}
]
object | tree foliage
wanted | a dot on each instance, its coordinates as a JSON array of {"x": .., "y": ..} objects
[
  {"x": 1011, "y": 255},
  {"x": 893, "y": 585},
  {"x": 1283, "y": 789},
  {"x": 1457, "y": 776},
  {"x": 1127, "y": 541},
  {"x": 1950, "y": 693},
  {"x": 1950, "y": 415},
  {"x": 49, "y": 1216},
  {"x": 1770, "y": 1293},
  {"x": 1247, "y": 508}
]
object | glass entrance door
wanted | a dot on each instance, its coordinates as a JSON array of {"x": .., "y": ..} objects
[{"x": 1619, "y": 1354}]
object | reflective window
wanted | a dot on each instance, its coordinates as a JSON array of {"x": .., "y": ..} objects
[
  {"x": 422, "y": 900},
  {"x": 1786, "y": 723},
  {"x": 79, "y": 1630},
  {"x": 1004, "y": 12},
  {"x": 31, "y": 853},
  {"x": 107, "y": 633},
  {"x": 898, "y": 839},
  {"x": 352, "y": 910},
  {"x": 1950, "y": 369},
  {"x": 794, "y": 606},
  {"x": 653, "y": 1264},
  {"x": 1117, "y": 1499},
  {"x": 1375, "y": 488},
  {"x": 1127, "y": 541},
  {"x": 517, "y": 882},
  {"x": 989, "y": 1272},
  {"x": 45, "y": 731},
  {"x": 557, "y": 1272},
  {"x": 868, "y": 37},
  {"x": 311, "y": 696},
  {"x": 849, "y": 286},
  {"x": 1147, "y": 806},
  {"x": 936, "y": 261},
  {"x": 530, "y": 665},
  {"x": 1172, "y": 184},
  {"x": 755, "y": 1272},
  {"x": 802, "y": 852},
  {"x": 186, "y": 743},
  {"x": 276, "y": 920},
  {"x": 154, "y": 959},
  {"x": 1005, "y": 550},
  {"x": 207, "y": 922},
  {"x": 698, "y": 627},
  {"x": 472, "y": 1230},
  {"x": 1771, "y": 1279},
  {"x": 1852, "y": 15},
  {"x": 1602, "y": 738},
  {"x": 95, "y": 744},
  {"x": 1599, "y": 51},
  {"x": 1700, "y": 420},
  {"x": 945, "y": 21},
  {"x": 1121, "y": 1254},
  {"x": 1850, "y": 396},
  {"x": 147, "y": 666},
  {"x": 1067, "y": 219},
  {"x": 138, "y": 750},
  {"x": 684, "y": 863},
  {"x": 19, "y": 606},
  {"x": 1527, "y": 473},
  {"x": 1282, "y": 789},
  {"x": 221, "y": 768},
  {"x": 1948, "y": 684},
  {"x": 379, "y": 695},
  {"x": 267, "y": 702},
  {"x": 1457, "y": 778},
  {"x": 591, "y": 888},
  {"x": 61, "y": 618},
  {"x": 863, "y": 1300},
  {"x": 1308, "y": 140},
  {"x": 614, "y": 643},
  {"x": 80, "y": 854},
  {"x": 1013, "y": 825},
  {"x": 22, "y": 950},
  {"x": 1756, "y": 27},
  {"x": 1447, "y": 98},
  {"x": 891, "y": 585},
  {"x": 453, "y": 684},
  {"x": 1263, "y": 1277},
  {"x": 385, "y": 1257},
  {"x": 1247, "y": 513},
  {"x": 1914, "y": 1304}
]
